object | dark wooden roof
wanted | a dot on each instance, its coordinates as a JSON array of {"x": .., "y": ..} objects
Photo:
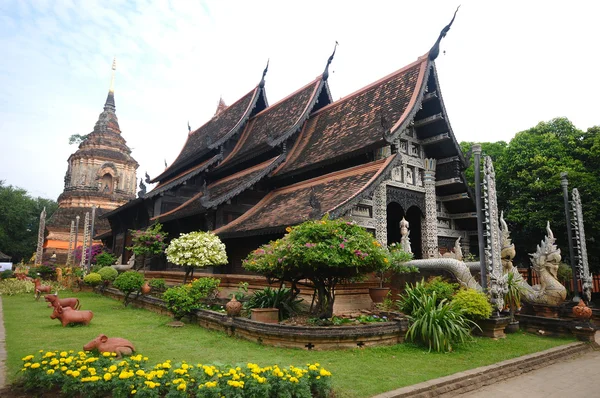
[
  {"x": 333, "y": 193},
  {"x": 212, "y": 134},
  {"x": 359, "y": 122},
  {"x": 275, "y": 124},
  {"x": 222, "y": 190}
]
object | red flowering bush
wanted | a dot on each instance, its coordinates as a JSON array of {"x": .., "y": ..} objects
[
  {"x": 148, "y": 241},
  {"x": 326, "y": 252}
]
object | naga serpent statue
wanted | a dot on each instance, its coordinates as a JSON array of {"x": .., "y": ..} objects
[{"x": 545, "y": 263}]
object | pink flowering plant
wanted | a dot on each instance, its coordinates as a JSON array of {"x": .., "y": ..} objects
[
  {"x": 325, "y": 252},
  {"x": 149, "y": 241}
]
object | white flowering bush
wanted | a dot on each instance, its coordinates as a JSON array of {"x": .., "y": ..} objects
[{"x": 196, "y": 250}]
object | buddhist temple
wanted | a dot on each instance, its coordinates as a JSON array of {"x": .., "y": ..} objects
[
  {"x": 381, "y": 154},
  {"x": 100, "y": 173}
]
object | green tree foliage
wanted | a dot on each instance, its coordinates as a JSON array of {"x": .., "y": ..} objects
[
  {"x": 528, "y": 183},
  {"x": 19, "y": 221},
  {"x": 77, "y": 138}
]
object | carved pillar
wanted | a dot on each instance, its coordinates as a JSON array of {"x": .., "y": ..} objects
[
  {"x": 497, "y": 279},
  {"x": 91, "y": 237},
  {"x": 564, "y": 182},
  {"x": 86, "y": 236},
  {"x": 380, "y": 213},
  {"x": 582, "y": 259},
  {"x": 41, "y": 232},
  {"x": 71, "y": 241},
  {"x": 430, "y": 243}
]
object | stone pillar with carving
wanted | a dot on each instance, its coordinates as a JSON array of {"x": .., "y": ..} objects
[
  {"x": 582, "y": 259},
  {"x": 430, "y": 243},
  {"x": 41, "y": 234},
  {"x": 71, "y": 241},
  {"x": 86, "y": 237},
  {"x": 380, "y": 213}
]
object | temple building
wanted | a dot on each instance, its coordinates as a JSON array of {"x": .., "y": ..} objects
[
  {"x": 381, "y": 154},
  {"x": 100, "y": 173}
]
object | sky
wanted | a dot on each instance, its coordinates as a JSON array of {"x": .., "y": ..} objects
[{"x": 504, "y": 67}]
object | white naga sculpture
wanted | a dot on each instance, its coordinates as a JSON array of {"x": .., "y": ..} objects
[
  {"x": 457, "y": 254},
  {"x": 404, "y": 233}
]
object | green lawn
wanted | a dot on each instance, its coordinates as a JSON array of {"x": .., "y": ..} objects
[{"x": 356, "y": 373}]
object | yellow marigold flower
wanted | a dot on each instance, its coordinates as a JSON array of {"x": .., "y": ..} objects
[
  {"x": 112, "y": 368},
  {"x": 83, "y": 368},
  {"x": 185, "y": 366},
  {"x": 75, "y": 373},
  {"x": 27, "y": 358},
  {"x": 107, "y": 376},
  {"x": 94, "y": 378},
  {"x": 160, "y": 373},
  {"x": 49, "y": 354},
  {"x": 54, "y": 362},
  {"x": 69, "y": 372},
  {"x": 133, "y": 392},
  {"x": 28, "y": 364},
  {"x": 166, "y": 365},
  {"x": 68, "y": 360},
  {"x": 181, "y": 387},
  {"x": 50, "y": 371},
  {"x": 385, "y": 260},
  {"x": 140, "y": 372},
  {"x": 312, "y": 367},
  {"x": 92, "y": 371},
  {"x": 288, "y": 229},
  {"x": 325, "y": 373},
  {"x": 63, "y": 368},
  {"x": 293, "y": 380},
  {"x": 63, "y": 354},
  {"x": 106, "y": 354}
]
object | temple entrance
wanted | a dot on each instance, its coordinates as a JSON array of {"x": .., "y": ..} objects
[{"x": 395, "y": 212}]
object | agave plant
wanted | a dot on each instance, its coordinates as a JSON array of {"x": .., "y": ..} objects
[{"x": 438, "y": 326}]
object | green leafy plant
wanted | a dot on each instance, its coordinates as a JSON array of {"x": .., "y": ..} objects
[
  {"x": 411, "y": 299},
  {"x": 204, "y": 288},
  {"x": 325, "y": 253},
  {"x": 473, "y": 304},
  {"x": 108, "y": 274},
  {"x": 105, "y": 259},
  {"x": 241, "y": 292},
  {"x": 196, "y": 250},
  {"x": 444, "y": 290},
  {"x": 282, "y": 299},
  {"x": 157, "y": 284},
  {"x": 438, "y": 325},
  {"x": 6, "y": 274},
  {"x": 186, "y": 299},
  {"x": 129, "y": 282},
  {"x": 9, "y": 287},
  {"x": 92, "y": 279},
  {"x": 512, "y": 298}
]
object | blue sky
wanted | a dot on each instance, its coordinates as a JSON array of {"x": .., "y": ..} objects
[{"x": 508, "y": 65}]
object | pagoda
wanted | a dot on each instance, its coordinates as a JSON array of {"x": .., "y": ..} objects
[
  {"x": 384, "y": 153},
  {"x": 100, "y": 173}
]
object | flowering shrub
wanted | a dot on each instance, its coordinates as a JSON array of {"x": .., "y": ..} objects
[
  {"x": 196, "y": 249},
  {"x": 326, "y": 252},
  {"x": 84, "y": 374},
  {"x": 148, "y": 241},
  {"x": 95, "y": 250},
  {"x": 185, "y": 300}
]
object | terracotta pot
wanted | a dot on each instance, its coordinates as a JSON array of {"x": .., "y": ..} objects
[
  {"x": 233, "y": 307},
  {"x": 512, "y": 327},
  {"x": 378, "y": 294},
  {"x": 145, "y": 289},
  {"x": 582, "y": 311},
  {"x": 266, "y": 315}
]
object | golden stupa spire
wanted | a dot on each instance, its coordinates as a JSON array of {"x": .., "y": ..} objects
[{"x": 112, "y": 78}]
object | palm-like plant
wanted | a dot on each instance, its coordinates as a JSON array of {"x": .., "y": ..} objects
[
  {"x": 513, "y": 296},
  {"x": 438, "y": 326}
]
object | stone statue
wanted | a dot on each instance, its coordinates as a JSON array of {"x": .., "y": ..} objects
[
  {"x": 457, "y": 253},
  {"x": 142, "y": 190},
  {"x": 409, "y": 176},
  {"x": 507, "y": 252},
  {"x": 124, "y": 267},
  {"x": 404, "y": 233},
  {"x": 545, "y": 263}
]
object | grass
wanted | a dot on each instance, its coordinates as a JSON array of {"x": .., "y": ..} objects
[{"x": 356, "y": 373}]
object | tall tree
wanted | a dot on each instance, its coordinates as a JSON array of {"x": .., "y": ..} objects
[{"x": 19, "y": 221}]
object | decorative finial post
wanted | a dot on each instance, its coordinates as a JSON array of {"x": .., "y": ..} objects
[
  {"x": 564, "y": 183},
  {"x": 76, "y": 236},
  {"x": 476, "y": 149},
  {"x": 326, "y": 71},
  {"x": 262, "y": 80},
  {"x": 435, "y": 49},
  {"x": 582, "y": 258},
  {"x": 112, "y": 78}
]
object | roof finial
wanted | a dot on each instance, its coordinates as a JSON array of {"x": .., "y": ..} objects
[
  {"x": 189, "y": 128},
  {"x": 220, "y": 107},
  {"x": 435, "y": 49},
  {"x": 112, "y": 78},
  {"x": 262, "y": 80},
  {"x": 326, "y": 71}
]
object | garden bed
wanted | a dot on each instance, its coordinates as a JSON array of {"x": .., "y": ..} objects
[{"x": 282, "y": 335}]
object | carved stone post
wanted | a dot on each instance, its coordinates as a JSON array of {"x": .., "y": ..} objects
[
  {"x": 89, "y": 258},
  {"x": 380, "y": 213},
  {"x": 76, "y": 235},
  {"x": 430, "y": 244},
  {"x": 564, "y": 183},
  {"x": 476, "y": 148},
  {"x": 497, "y": 279},
  {"x": 86, "y": 234},
  {"x": 39, "y": 253},
  {"x": 582, "y": 258},
  {"x": 70, "y": 249}
]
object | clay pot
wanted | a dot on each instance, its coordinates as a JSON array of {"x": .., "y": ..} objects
[
  {"x": 145, "y": 289},
  {"x": 582, "y": 311},
  {"x": 266, "y": 315},
  {"x": 378, "y": 294},
  {"x": 233, "y": 307}
]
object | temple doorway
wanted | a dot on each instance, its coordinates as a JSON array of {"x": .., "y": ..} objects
[{"x": 395, "y": 212}]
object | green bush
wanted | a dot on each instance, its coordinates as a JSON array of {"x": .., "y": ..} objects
[
  {"x": 282, "y": 299},
  {"x": 7, "y": 274},
  {"x": 105, "y": 259},
  {"x": 444, "y": 290},
  {"x": 92, "y": 279},
  {"x": 411, "y": 299},
  {"x": 108, "y": 273},
  {"x": 186, "y": 299},
  {"x": 438, "y": 326},
  {"x": 157, "y": 283},
  {"x": 9, "y": 287},
  {"x": 129, "y": 282},
  {"x": 204, "y": 288},
  {"x": 473, "y": 304}
]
